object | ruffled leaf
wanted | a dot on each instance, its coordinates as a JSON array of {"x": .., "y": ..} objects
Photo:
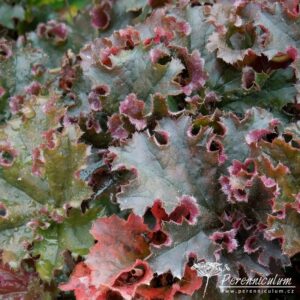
[
  {"x": 171, "y": 168},
  {"x": 70, "y": 234},
  {"x": 115, "y": 260},
  {"x": 251, "y": 28},
  {"x": 21, "y": 284},
  {"x": 173, "y": 160},
  {"x": 38, "y": 166},
  {"x": 283, "y": 167},
  {"x": 17, "y": 69},
  {"x": 286, "y": 229},
  {"x": 131, "y": 72}
]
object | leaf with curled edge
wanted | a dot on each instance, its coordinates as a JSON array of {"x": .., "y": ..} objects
[
  {"x": 276, "y": 90},
  {"x": 198, "y": 38},
  {"x": 22, "y": 191},
  {"x": 115, "y": 261},
  {"x": 81, "y": 88},
  {"x": 122, "y": 14},
  {"x": 188, "y": 240},
  {"x": 281, "y": 161},
  {"x": 167, "y": 287},
  {"x": 70, "y": 235},
  {"x": 239, "y": 133},
  {"x": 11, "y": 282},
  {"x": 200, "y": 29},
  {"x": 221, "y": 75},
  {"x": 24, "y": 194},
  {"x": 226, "y": 80},
  {"x": 57, "y": 38},
  {"x": 132, "y": 72},
  {"x": 287, "y": 229},
  {"x": 175, "y": 168},
  {"x": 283, "y": 29},
  {"x": 21, "y": 284},
  {"x": 37, "y": 115},
  {"x": 252, "y": 28},
  {"x": 249, "y": 219},
  {"x": 165, "y": 25},
  {"x": 16, "y": 70},
  {"x": 223, "y": 78},
  {"x": 115, "y": 231},
  {"x": 189, "y": 164},
  {"x": 61, "y": 165},
  {"x": 169, "y": 171}
]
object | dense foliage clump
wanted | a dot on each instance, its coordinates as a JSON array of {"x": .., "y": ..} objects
[{"x": 139, "y": 137}]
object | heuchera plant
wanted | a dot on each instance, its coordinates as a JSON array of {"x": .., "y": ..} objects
[{"x": 139, "y": 137}]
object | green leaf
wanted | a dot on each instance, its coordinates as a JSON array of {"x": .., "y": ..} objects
[
  {"x": 288, "y": 229},
  {"x": 186, "y": 163},
  {"x": 61, "y": 165},
  {"x": 19, "y": 209},
  {"x": 234, "y": 141},
  {"x": 234, "y": 42},
  {"x": 15, "y": 73},
  {"x": 132, "y": 72},
  {"x": 134, "y": 5},
  {"x": 125, "y": 13},
  {"x": 72, "y": 234},
  {"x": 284, "y": 31},
  {"x": 81, "y": 88},
  {"x": 170, "y": 171},
  {"x": 74, "y": 39},
  {"x": 37, "y": 119},
  {"x": 8, "y": 13},
  {"x": 275, "y": 90},
  {"x": 196, "y": 239},
  {"x": 200, "y": 32},
  {"x": 55, "y": 52},
  {"x": 186, "y": 239},
  {"x": 281, "y": 162},
  {"x": 24, "y": 194},
  {"x": 57, "y": 4}
]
